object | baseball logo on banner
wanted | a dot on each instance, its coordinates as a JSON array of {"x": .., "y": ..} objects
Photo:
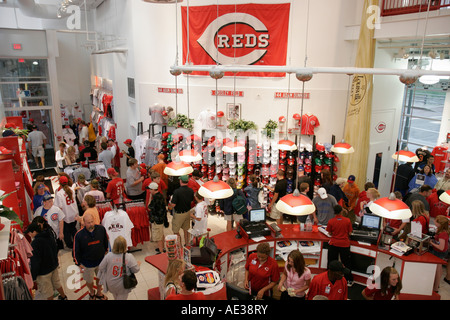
[{"x": 247, "y": 34}]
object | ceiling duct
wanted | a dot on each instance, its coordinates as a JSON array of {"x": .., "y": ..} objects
[{"x": 32, "y": 9}]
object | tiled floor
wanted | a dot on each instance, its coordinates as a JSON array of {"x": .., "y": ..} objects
[{"x": 148, "y": 275}]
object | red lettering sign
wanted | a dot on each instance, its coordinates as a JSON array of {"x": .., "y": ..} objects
[
  {"x": 292, "y": 95},
  {"x": 170, "y": 90},
  {"x": 227, "y": 93},
  {"x": 243, "y": 34}
]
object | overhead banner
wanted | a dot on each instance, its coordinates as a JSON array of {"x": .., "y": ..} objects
[
  {"x": 245, "y": 34},
  {"x": 357, "y": 129}
]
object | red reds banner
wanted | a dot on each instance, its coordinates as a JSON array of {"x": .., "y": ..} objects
[{"x": 245, "y": 34}]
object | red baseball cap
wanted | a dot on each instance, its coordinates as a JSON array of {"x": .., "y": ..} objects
[
  {"x": 112, "y": 171},
  {"x": 128, "y": 141},
  {"x": 63, "y": 180}
]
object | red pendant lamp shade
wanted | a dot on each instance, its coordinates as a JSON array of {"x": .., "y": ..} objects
[
  {"x": 405, "y": 156},
  {"x": 190, "y": 155},
  {"x": 445, "y": 197},
  {"x": 178, "y": 169},
  {"x": 287, "y": 145},
  {"x": 391, "y": 208},
  {"x": 234, "y": 147},
  {"x": 295, "y": 204},
  {"x": 215, "y": 189},
  {"x": 342, "y": 147}
]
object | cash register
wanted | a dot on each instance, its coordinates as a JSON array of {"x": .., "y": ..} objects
[
  {"x": 369, "y": 229},
  {"x": 255, "y": 226}
]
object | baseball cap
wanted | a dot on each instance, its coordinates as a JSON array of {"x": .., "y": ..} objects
[
  {"x": 41, "y": 186},
  {"x": 351, "y": 178},
  {"x": 63, "y": 180},
  {"x": 112, "y": 171},
  {"x": 322, "y": 193},
  {"x": 184, "y": 178},
  {"x": 153, "y": 186},
  {"x": 337, "y": 266},
  {"x": 47, "y": 197},
  {"x": 128, "y": 141}
]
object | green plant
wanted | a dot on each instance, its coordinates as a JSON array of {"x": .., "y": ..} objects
[
  {"x": 270, "y": 128},
  {"x": 7, "y": 212},
  {"x": 181, "y": 121},
  {"x": 243, "y": 125}
]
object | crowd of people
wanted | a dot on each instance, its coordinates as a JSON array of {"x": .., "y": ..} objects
[{"x": 73, "y": 220}]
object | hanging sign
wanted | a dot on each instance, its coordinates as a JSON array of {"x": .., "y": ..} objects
[
  {"x": 291, "y": 95},
  {"x": 244, "y": 34},
  {"x": 227, "y": 93},
  {"x": 170, "y": 90}
]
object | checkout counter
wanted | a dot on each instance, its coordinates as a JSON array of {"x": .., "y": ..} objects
[{"x": 417, "y": 271}]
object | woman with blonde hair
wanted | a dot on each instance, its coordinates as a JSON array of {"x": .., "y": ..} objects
[
  {"x": 71, "y": 155},
  {"x": 420, "y": 215},
  {"x": 390, "y": 285},
  {"x": 110, "y": 269},
  {"x": 439, "y": 247},
  {"x": 373, "y": 195},
  {"x": 172, "y": 283}
]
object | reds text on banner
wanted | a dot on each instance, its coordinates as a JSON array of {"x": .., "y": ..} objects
[{"x": 245, "y": 34}]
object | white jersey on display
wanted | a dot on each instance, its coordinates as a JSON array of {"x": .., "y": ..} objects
[{"x": 117, "y": 223}]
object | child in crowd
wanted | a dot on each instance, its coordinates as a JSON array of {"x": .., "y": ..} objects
[{"x": 200, "y": 215}]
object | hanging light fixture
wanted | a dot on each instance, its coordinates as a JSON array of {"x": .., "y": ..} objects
[
  {"x": 178, "y": 169},
  {"x": 391, "y": 208},
  {"x": 287, "y": 145},
  {"x": 445, "y": 197},
  {"x": 190, "y": 155},
  {"x": 233, "y": 147},
  {"x": 215, "y": 189},
  {"x": 405, "y": 156},
  {"x": 295, "y": 204}
]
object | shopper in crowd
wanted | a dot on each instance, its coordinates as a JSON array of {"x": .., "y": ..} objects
[
  {"x": 90, "y": 247},
  {"x": 424, "y": 177},
  {"x": 226, "y": 205},
  {"x": 92, "y": 136},
  {"x": 44, "y": 261},
  {"x": 71, "y": 155},
  {"x": 36, "y": 141},
  {"x": 444, "y": 182},
  {"x": 39, "y": 192},
  {"x": 439, "y": 247},
  {"x": 261, "y": 272},
  {"x": 429, "y": 162},
  {"x": 200, "y": 215},
  {"x": 340, "y": 228},
  {"x": 324, "y": 204},
  {"x": 296, "y": 277},
  {"x": 112, "y": 280},
  {"x": 331, "y": 283},
  {"x": 130, "y": 153},
  {"x": 252, "y": 191},
  {"x": 326, "y": 179},
  {"x": 424, "y": 192},
  {"x": 181, "y": 202},
  {"x": 337, "y": 192},
  {"x": 159, "y": 167},
  {"x": 83, "y": 132},
  {"x": 437, "y": 207},
  {"x": 106, "y": 156},
  {"x": 361, "y": 198},
  {"x": 158, "y": 215},
  {"x": 372, "y": 195},
  {"x": 65, "y": 200},
  {"x": 279, "y": 192},
  {"x": 116, "y": 187},
  {"x": 405, "y": 172},
  {"x": 54, "y": 217},
  {"x": 88, "y": 153},
  {"x": 193, "y": 180},
  {"x": 89, "y": 206},
  {"x": 420, "y": 215},
  {"x": 95, "y": 191},
  {"x": 386, "y": 287},
  {"x": 60, "y": 156},
  {"x": 188, "y": 286},
  {"x": 134, "y": 181},
  {"x": 351, "y": 191},
  {"x": 304, "y": 190},
  {"x": 172, "y": 283},
  {"x": 81, "y": 187}
]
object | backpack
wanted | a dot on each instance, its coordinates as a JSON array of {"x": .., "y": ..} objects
[{"x": 239, "y": 204}]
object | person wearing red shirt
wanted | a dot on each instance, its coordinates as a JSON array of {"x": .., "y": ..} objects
[
  {"x": 331, "y": 283},
  {"x": 389, "y": 286},
  {"x": 340, "y": 228},
  {"x": 188, "y": 284},
  {"x": 362, "y": 197},
  {"x": 261, "y": 272},
  {"x": 437, "y": 207},
  {"x": 116, "y": 188},
  {"x": 420, "y": 215},
  {"x": 439, "y": 247},
  {"x": 193, "y": 184}
]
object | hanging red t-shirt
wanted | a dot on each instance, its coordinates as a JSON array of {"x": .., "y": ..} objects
[
  {"x": 440, "y": 154},
  {"x": 116, "y": 188},
  {"x": 308, "y": 123}
]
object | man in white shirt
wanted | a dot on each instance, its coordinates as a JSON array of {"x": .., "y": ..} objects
[
  {"x": 84, "y": 132},
  {"x": 106, "y": 156},
  {"x": 37, "y": 140}
]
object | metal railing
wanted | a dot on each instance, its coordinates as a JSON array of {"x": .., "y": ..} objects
[{"x": 397, "y": 7}]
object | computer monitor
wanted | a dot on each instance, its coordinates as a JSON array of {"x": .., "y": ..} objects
[
  {"x": 370, "y": 222},
  {"x": 257, "y": 215}
]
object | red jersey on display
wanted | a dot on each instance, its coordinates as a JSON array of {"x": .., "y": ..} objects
[
  {"x": 440, "y": 154},
  {"x": 260, "y": 275},
  {"x": 308, "y": 123},
  {"x": 340, "y": 227}
]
